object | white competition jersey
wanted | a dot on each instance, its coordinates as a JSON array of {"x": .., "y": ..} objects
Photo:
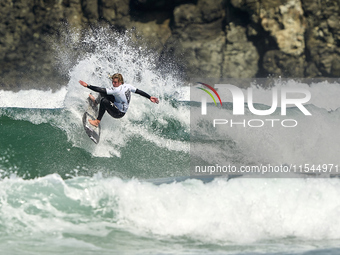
[{"x": 122, "y": 95}]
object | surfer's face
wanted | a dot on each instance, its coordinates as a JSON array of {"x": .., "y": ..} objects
[{"x": 116, "y": 82}]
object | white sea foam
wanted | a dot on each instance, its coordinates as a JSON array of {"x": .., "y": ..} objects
[
  {"x": 33, "y": 99},
  {"x": 238, "y": 211}
]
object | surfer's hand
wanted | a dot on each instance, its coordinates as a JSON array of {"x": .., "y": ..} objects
[
  {"x": 83, "y": 83},
  {"x": 154, "y": 100}
]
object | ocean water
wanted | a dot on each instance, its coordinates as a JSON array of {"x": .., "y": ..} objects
[{"x": 62, "y": 194}]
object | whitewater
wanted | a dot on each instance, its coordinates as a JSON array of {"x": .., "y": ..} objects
[{"x": 61, "y": 193}]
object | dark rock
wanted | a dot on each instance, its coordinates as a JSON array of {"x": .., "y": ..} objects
[
  {"x": 187, "y": 14},
  {"x": 195, "y": 43},
  {"x": 322, "y": 35},
  {"x": 336, "y": 66},
  {"x": 312, "y": 71},
  {"x": 211, "y": 12},
  {"x": 90, "y": 9},
  {"x": 157, "y": 4},
  {"x": 293, "y": 38},
  {"x": 240, "y": 56},
  {"x": 116, "y": 12},
  {"x": 278, "y": 63}
]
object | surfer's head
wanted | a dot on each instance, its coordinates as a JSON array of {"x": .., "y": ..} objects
[{"x": 117, "y": 79}]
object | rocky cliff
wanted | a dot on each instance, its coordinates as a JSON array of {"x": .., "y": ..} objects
[{"x": 212, "y": 38}]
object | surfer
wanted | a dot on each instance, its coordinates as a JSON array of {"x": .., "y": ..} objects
[{"x": 115, "y": 100}]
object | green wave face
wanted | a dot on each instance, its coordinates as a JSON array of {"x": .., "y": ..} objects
[{"x": 33, "y": 150}]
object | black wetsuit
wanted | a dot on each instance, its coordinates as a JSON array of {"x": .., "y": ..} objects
[{"x": 109, "y": 103}]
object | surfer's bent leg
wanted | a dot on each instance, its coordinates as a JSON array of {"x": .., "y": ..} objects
[{"x": 107, "y": 105}]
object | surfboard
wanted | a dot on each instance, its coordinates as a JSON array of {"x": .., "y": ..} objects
[{"x": 91, "y": 113}]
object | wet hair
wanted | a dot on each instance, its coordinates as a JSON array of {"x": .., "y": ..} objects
[{"x": 119, "y": 77}]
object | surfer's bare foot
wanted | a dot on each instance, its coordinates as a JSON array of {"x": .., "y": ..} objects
[
  {"x": 92, "y": 98},
  {"x": 94, "y": 122}
]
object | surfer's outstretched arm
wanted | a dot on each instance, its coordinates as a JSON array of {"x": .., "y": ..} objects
[
  {"x": 94, "y": 88},
  {"x": 144, "y": 94}
]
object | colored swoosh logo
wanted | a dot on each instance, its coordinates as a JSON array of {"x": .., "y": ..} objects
[{"x": 213, "y": 90}]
